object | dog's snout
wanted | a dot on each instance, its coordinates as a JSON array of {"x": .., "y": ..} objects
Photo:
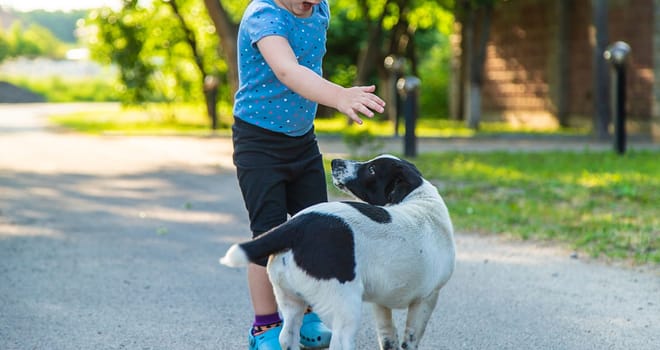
[
  {"x": 337, "y": 164},
  {"x": 339, "y": 173}
]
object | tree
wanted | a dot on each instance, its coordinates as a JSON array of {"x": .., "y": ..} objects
[
  {"x": 32, "y": 41},
  {"x": 163, "y": 54},
  {"x": 225, "y": 19},
  {"x": 120, "y": 39},
  {"x": 209, "y": 80},
  {"x": 392, "y": 27}
]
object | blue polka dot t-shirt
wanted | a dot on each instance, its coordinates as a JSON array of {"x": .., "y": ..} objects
[{"x": 261, "y": 99}]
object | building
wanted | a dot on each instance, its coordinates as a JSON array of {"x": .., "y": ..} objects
[{"x": 540, "y": 61}]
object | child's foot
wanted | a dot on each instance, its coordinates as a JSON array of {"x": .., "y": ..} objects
[
  {"x": 313, "y": 333},
  {"x": 265, "y": 337}
]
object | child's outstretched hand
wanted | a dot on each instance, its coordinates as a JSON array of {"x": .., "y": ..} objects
[{"x": 360, "y": 99}]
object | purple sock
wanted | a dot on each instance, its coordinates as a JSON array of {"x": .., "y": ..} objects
[{"x": 264, "y": 320}]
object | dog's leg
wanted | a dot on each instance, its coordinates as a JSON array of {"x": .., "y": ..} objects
[
  {"x": 345, "y": 322},
  {"x": 387, "y": 335},
  {"x": 419, "y": 313},
  {"x": 292, "y": 309}
]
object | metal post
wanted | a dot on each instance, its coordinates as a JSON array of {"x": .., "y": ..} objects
[
  {"x": 620, "y": 110},
  {"x": 616, "y": 54},
  {"x": 409, "y": 91}
]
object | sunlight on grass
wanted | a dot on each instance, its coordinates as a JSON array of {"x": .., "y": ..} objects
[
  {"x": 463, "y": 166},
  {"x": 430, "y": 128},
  {"x": 186, "y": 119},
  {"x": 157, "y": 120}
]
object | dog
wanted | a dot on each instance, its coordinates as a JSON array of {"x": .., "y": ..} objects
[{"x": 394, "y": 248}]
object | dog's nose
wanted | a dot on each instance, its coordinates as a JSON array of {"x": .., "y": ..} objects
[{"x": 337, "y": 164}]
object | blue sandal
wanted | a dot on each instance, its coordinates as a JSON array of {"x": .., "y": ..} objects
[
  {"x": 268, "y": 340},
  {"x": 313, "y": 333}
]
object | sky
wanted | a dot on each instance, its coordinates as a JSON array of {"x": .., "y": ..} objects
[{"x": 54, "y": 5}]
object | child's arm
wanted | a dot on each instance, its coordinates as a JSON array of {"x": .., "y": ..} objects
[{"x": 358, "y": 99}]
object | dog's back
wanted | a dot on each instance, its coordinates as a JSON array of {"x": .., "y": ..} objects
[{"x": 415, "y": 249}]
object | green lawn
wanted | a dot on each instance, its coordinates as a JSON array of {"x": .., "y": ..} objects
[
  {"x": 145, "y": 120},
  {"x": 191, "y": 119}
]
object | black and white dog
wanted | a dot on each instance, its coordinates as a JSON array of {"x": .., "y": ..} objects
[{"x": 395, "y": 251}]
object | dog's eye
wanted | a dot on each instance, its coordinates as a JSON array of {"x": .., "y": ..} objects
[{"x": 372, "y": 170}]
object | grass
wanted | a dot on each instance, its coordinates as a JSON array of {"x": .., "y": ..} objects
[
  {"x": 433, "y": 128},
  {"x": 144, "y": 120},
  {"x": 56, "y": 89},
  {"x": 191, "y": 119},
  {"x": 596, "y": 202}
]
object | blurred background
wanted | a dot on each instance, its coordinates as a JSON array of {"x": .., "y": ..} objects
[{"x": 525, "y": 66}]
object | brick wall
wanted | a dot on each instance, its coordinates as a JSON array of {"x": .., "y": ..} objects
[
  {"x": 580, "y": 68},
  {"x": 521, "y": 64},
  {"x": 517, "y": 78}
]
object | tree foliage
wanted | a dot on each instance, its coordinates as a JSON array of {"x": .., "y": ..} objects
[
  {"x": 408, "y": 29},
  {"x": 150, "y": 46},
  {"x": 30, "y": 40}
]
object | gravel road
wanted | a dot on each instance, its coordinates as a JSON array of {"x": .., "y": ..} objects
[{"x": 111, "y": 242}]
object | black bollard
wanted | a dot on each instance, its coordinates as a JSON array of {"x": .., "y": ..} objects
[
  {"x": 409, "y": 91},
  {"x": 616, "y": 54}
]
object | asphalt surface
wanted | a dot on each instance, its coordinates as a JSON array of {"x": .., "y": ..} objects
[{"x": 112, "y": 242}]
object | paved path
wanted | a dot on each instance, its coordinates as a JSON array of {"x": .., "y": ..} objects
[{"x": 112, "y": 243}]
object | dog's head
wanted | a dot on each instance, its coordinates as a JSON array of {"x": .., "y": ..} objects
[{"x": 383, "y": 180}]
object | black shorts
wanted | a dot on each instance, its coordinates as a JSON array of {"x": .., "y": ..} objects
[{"x": 279, "y": 175}]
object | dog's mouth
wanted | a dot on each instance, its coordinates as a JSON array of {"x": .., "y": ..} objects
[{"x": 339, "y": 185}]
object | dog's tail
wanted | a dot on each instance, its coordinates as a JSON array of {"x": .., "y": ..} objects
[
  {"x": 235, "y": 257},
  {"x": 258, "y": 250}
]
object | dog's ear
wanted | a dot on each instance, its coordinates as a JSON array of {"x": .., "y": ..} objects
[{"x": 405, "y": 178}]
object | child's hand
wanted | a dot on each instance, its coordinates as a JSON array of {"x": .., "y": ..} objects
[{"x": 360, "y": 99}]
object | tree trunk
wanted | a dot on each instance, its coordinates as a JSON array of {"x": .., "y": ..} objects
[
  {"x": 371, "y": 54},
  {"x": 459, "y": 69},
  {"x": 209, "y": 83},
  {"x": 468, "y": 37},
  {"x": 601, "y": 118},
  {"x": 227, "y": 31},
  {"x": 211, "y": 99}
]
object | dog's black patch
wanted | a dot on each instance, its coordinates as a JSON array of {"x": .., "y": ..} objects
[
  {"x": 375, "y": 213},
  {"x": 323, "y": 246}
]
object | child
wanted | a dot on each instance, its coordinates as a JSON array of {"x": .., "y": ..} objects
[{"x": 281, "y": 44}]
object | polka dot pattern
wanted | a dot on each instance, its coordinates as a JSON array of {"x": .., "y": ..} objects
[{"x": 261, "y": 99}]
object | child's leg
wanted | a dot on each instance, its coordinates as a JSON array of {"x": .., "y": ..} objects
[
  {"x": 261, "y": 291},
  {"x": 262, "y": 187}
]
